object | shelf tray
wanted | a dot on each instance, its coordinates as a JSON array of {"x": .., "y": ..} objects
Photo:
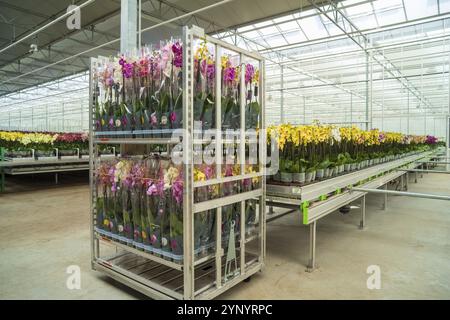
[{"x": 160, "y": 281}]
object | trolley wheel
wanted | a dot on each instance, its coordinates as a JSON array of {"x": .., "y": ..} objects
[{"x": 248, "y": 279}]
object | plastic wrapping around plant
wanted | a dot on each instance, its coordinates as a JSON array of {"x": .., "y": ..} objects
[
  {"x": 140, "y": 93},
  {"x": 317, "y": 152}
]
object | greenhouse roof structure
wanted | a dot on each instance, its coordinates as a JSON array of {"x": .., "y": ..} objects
[{"x": 381, "y": 63}]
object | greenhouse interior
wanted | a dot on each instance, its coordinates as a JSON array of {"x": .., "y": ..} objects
[{"x": 224, "y": 149}]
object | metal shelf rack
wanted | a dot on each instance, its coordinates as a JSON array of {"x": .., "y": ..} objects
[{"x": 195, "y": 275}]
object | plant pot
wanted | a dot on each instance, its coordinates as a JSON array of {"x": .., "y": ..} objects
[
  {"x": 277, "y": 176},
  {"x": 286, "y": 177},
  {"x": 333, "y": 171},
  {"x": 313, "y": 175},
  {"x": 308, "y": 177},
  {"x": 341, "y": 168},
  {"x": 320, "y": 173},
  {"x": 302, "y": 176},
  {"x": 347, "y": 167},
  {"x": 296, "y": 177}
]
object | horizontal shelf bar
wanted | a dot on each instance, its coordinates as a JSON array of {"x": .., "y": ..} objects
[
  {"x": 403, "y": 193},
  {"x": 198, "y": 184},
  {"x": 220, "y": 202},
  {"x": 424, "y": 171},
  {"x": 136, "y": 141}
]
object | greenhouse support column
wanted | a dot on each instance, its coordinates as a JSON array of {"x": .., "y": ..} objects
[
  {"x": 368, "y": 88},
  {"x": 351, "y": 108},
  {"x": 282, "y": 95},
  {"x": 408, "y": 115},
  {"x": 128, "y": 25},
  {"x": 304, "y": 110}
]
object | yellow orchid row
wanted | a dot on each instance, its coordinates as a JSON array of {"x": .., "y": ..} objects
[
  {"x": 28, "y": 138},
  {"x": 300, "y": 135},
  {"x": 316, "y": 133}
]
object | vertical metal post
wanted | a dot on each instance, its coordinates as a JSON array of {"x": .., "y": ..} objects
[
  {"x": 362, "y": 223},
  {"x": 408, "y": 114},
  {"x": 242, "y": 143},
  {"x": 139, "y": 24},
  {"x": 281, "y": 94},
  {"x": 91, "y": 163},
  {"x": 219, "y": 152},
  {"x": 304, "y": 110},
  {"x": 128, "y": 25},
  {"x": 370, "y": 117},
  {"x": 406, "y": 180},
  {"x": 415, "y": 177},
  {"x": 385, "y": 198},
  {"x": 63, "y": 120},
  {"x": 188, "y": 216},
  {"x": 367, "y": 90},
  {"x": 351, "y": 108},
  {"x": 242, "y": 262},
  {"x": 2, "y": 172},
  {"x": 56, "y": 177},
  {"x": 312, "y": 247},
  {"x": 262, "y": 167}
]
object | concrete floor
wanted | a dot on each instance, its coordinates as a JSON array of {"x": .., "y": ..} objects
[{"x": 45, "y": 228}]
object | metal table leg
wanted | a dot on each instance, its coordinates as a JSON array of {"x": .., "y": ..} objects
[
  {"x": 2, "y": 172},
  {"x": 56, "y": 177},
  {"x": 2, "y": 182},
  {"x": 385, "y": 198},
  {"x": 415, "y": 177},
  {"x": 362, "y": 223},
  {"x": 312, "y": 247},
  {"x": 406, "y": 181}
]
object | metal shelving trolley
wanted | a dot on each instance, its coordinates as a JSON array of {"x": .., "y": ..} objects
[{"x": 198, "y": 243}]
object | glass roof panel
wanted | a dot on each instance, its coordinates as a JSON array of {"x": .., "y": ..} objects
[
  {"x": 416, "y": 9},
  {"x": 444, "y": 6},
  {"x": 390, "y": 16},
  {"x": 313, "y": 27}
]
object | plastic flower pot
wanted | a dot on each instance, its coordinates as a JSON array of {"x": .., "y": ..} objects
[
  {"x": 308, "y": 177},
  {"x": 341, "y": 168},
  {"x": 286, "y": 177},
  {"x": 302, "y": 176},
  {"x": 320, "y": 173},
  {"x": 347, "y": 167},
  {"x": 296, "y": 177},
  {"x": 277, "y": 176},
  {"x": 313, "y": 175},
  {"x": 333, "y": 172}
]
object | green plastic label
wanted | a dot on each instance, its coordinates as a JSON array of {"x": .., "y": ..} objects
[{"x": 304, "y": 208}]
